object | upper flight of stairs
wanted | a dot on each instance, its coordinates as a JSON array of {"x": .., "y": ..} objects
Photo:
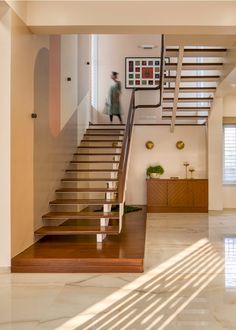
[
  {"x": 200, "y": 73},
  {"x": 90, "y": 182}
]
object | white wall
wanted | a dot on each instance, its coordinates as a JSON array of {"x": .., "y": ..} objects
[
  {"x": 215, "y": 140},
  {"x": 69, "y": 89},
  {"x": 166, "y": 154},
  {"x": 230, "y": 105},
  {"x": 5, "y": 165},
  {"x": 20, "y": 7},
  {"x": 185, "y": 17},
  {"x": 229, "y": 190},
  {"x": 83, "y": 67},
  {"x": 220, "y": 195},
  {"x": 112, "y": 50},
  {"x": 84, "y": 45}
]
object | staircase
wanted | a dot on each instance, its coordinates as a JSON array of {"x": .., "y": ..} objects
[
  {"x": 90, "y": 183},
  {"x": 192, "y": 75}
]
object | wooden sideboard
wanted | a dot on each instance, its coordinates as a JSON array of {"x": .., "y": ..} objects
[{"x": 178, "y": 195}]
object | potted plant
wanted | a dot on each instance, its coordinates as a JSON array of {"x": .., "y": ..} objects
[{"x": 155, "y": 171}]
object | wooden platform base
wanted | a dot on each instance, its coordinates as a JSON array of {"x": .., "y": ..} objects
[{"x": 82, "y": 254}]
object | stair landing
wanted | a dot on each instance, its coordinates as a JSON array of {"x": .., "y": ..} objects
[{"x": 123, "y": 253}]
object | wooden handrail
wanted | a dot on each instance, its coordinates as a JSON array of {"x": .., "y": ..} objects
[
  {"x": 123, "y": 165},
  {"x": 125, "y": 150}
]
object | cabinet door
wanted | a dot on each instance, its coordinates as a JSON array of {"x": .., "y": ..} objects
[
  {"x": 178, "y": 194},
  {"x": 157, "y": 192},
  {"x": 200, "y": 193}
]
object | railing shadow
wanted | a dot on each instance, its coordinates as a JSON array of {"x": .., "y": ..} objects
[{"x": 156, "y": 299}]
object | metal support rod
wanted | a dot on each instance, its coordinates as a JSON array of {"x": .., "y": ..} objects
[{"x": 177, "y": 85}]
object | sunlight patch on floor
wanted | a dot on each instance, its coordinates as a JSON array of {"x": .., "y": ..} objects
[{"x": 188, "y": 271}]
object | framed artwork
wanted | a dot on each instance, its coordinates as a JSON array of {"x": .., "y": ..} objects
[{"x": 143, "y": 72}]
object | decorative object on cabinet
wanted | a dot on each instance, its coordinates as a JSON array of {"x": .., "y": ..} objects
[
  {"x": 149, "y": 145},
  {"x": 155, "y": 171},
  {"x": 191, "y": 170},
  {"x": 186, "y": 164},
  {"x": 180, "y": 145}
]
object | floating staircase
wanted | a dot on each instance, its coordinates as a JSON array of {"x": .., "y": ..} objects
[
  {"x": 90, "y": 182},
  {"x": 192, "y": 75}
]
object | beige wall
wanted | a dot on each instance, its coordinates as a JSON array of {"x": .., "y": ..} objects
[
  {"x": 229, "y": 190},
  {"x": 20, "y": 7},
  {"x": 84, "y": 108},
  {"x": 51, "y": 154},
  {"x": 129, "y": 17},
  {"x": 84, "y": 43},
  {"x": 215, "y": 155},
  {"x": 121, "y": 46},
  {"x": 69, "y": 68},
  {"x": 25, "y": 47},
  {"x": 37, "y": 168},
  {"x": 165, "y": 153},
  {"x": 220, "y": 195},
  {"x": 5, "y": 212}
]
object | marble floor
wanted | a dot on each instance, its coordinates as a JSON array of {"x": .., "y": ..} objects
[{"x": 189, "y": 283}]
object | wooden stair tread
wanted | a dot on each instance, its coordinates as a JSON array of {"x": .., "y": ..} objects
[
  {"x": 191, "y": 89},
  {"x": 75, "y": 230},
  {"x": 193, "y": 49},
  {"x": 194, "y": 76},
  {"x": 93, "y": 124},
  {"x": 87, "y": 201},
  {"x": 100, "y": 134},
  {"x": 195, "y": 66},
  {"x": 114, "y": 141},
  {"x": 74, "y": 190},
  {"x": 187, "y": 108},
  {"x": 97, "y": 154},
  {"x": 99, "y": 147},
  {"x": 104, "y": 129},
  {"x": 94, "y": 161},
  {"x": 80, "y": 215},
  {"x": 186, "y": 117},
  {"x": 94, "y": 170},
  {"x": 88, "y": 179},
  {"x": 196, "y": 52},
  {"x": 188, "y": 99}
]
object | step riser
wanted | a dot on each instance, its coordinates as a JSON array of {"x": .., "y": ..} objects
[
  {"x": 102, "y": 141},
  {"x": 88, "y": 180},
  {"x": 91, "y": 172},
  {"x": 97, "y": 157},
  {"x": 104, "y": 153},
  {"x": 99, "y": 148},
  {"x": 90, "y": 176},
  {"x": 105, "y": 126},
  {"x": 81, "y": 217},
  {"x": 67, "y": 208},
  {"x": 93, "y": 166},
  {"x": 71, "y": 204},
  {"x": 91, "y": 184},
  {"x": 84, "y": 195}
]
